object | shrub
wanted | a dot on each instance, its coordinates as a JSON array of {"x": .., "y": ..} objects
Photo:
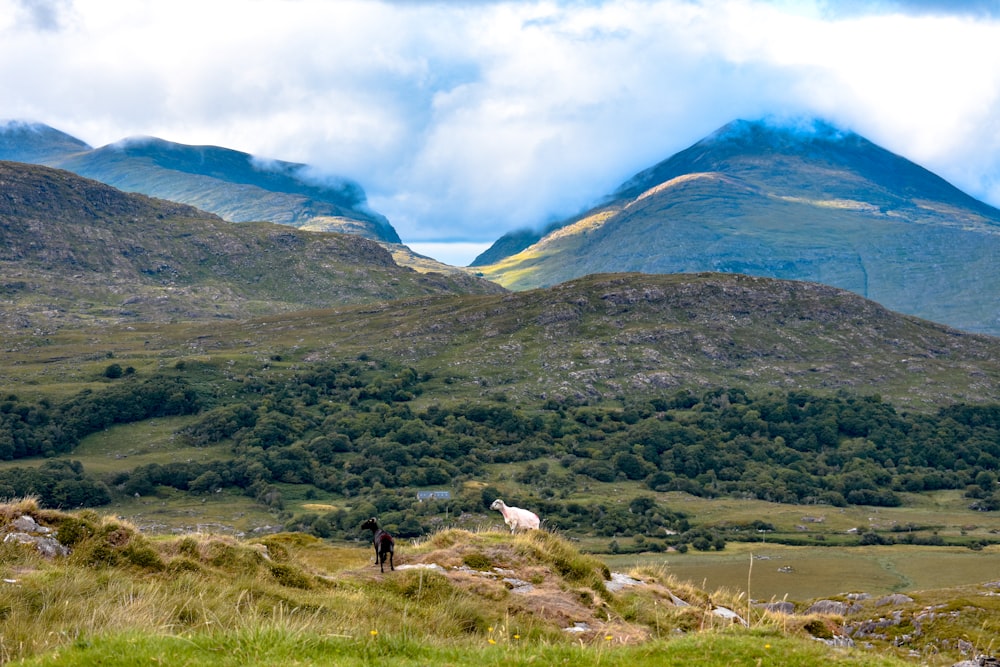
[
  {"x": 290, "y": 576},
  {"x": 477, "y": 561}
]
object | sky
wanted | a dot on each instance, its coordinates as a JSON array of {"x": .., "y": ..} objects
[{"x": 465, "y": 120}]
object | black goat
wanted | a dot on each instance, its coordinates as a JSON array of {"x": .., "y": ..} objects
[{"x": 383, "y": 543}]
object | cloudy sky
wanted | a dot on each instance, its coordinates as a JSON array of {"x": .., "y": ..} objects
[{"x": 464, "y": 120}]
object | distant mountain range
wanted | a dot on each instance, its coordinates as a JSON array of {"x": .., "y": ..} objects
[
  {"x": 234, "y": 185},
  {"x": 76, "y": 251},
  {"x": 805, "y": 202},
  {"x": 82, "y": 261}
]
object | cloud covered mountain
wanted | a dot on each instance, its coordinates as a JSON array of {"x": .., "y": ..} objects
[
  {"x": 237, "y": 186},
  {"x": 802, "y": 201}
]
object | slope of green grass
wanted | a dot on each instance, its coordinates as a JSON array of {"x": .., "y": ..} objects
[
  {"x": 122, "y": 598},
  {"x": 266, "y": 646}
]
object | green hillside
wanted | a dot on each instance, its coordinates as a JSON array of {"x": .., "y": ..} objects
[
  {"x": 231, "y": 184},
  {"x": 74, "y": 250},
  {"x": 118, "y": 597}
]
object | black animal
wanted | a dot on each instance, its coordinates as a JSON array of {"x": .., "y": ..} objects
[{"x": 383, "y": 543}]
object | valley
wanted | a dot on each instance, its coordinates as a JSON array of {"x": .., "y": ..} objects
[{"x": 254, "y": 383}]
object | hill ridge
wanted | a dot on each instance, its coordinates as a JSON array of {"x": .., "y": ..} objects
[
  {"x": 73, "y": 248},
  {"x": 237, "y": 186}
]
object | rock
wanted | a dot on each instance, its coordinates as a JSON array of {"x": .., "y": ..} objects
[
  {"x": 620, "y": 581},
  {"x": 837, "y": 641},
  {"x": 780, "y": 607},
  {"x": 518, "y": 585},
  {"x": 894, "y": 599},
  {"x": 828, "y": 607},
  {"x": 577, "y": 627},
  {"x": 421, "y": 566},
  {"x": 677, "y": 601},
  {"x": 729, "y": 615},
  {"x": 47, "y": 546},
  {"x": 27, "y": 524}
]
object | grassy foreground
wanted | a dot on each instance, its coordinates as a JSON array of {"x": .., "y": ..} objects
[
  {"x": 456, "y": 598},
  {"x": 279, "y": 646}
]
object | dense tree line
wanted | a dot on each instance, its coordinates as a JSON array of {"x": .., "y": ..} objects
[
  {"x": 59, "y": 484},
  {"x": 352, "y": 429},
  {"x": 41, "y": 429}
]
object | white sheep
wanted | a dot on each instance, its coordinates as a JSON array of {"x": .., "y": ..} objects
[{"x": 515, "y": 517}]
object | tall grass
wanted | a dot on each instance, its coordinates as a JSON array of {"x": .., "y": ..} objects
[{"x": 124, "y": 599}]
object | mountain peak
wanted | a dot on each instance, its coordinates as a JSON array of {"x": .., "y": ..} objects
[
  {"x": 237, "y": 186},
  {"x": 800, "y": 153},
  {"x": 794, "y": 135},
  {"x": 801, "y": 128},
  {"x": 796, "y": 199},
  {"x": 29, "y": 141}
]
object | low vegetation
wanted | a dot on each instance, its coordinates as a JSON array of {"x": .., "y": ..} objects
[
  {"x": 356, "y": 431},
  {"x": 121, "y": 597}
]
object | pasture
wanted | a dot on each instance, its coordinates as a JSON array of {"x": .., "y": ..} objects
[{"x": 805, "y": 573}]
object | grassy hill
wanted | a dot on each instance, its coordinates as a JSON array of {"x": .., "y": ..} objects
[
  {"x": 458, "y": 597},
  {"x": 74, "y": 250},
  {"x": 818, "y": 205},
  {"x": 234, "y": 185},
  {"x": 596, "y": 339}
]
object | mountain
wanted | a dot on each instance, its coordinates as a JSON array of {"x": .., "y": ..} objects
[
  {"x": 807, "y": 202},
  {"x": 73, "y": 250},
  {"x": 597, "y": 339},
  {"x": 33, "y": 142},
  {"x": 234, "y": 185}
]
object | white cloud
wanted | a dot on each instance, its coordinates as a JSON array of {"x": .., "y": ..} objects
[{"x": 466, "y": 120}]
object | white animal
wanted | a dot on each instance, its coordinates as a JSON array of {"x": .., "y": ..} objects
[{"x": 515, "y": 517}]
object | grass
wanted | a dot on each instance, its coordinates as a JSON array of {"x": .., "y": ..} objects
[
  {"x": 825, "y": 571},
  {"x": 123, "y": 598},
  {"x": 268, "y": 645},
  {"x": 129, "y": 446}
]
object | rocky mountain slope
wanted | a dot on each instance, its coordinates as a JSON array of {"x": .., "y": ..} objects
[
  {"x": 234, "y": 185},
  {"x": 805, "y": 203},
  {"x": 73, "y": 249},
  {"x": 624, "y": 336}
]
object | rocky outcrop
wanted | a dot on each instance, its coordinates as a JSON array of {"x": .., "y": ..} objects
[{"x": 25, "y": 530}]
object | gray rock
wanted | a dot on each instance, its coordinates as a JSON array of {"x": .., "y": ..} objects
[
  {"x": 780, "y": 607},
  {"x": 677, "y": 601},
  {"x": 837, "y": 641},
  {"x": 47, "y": 546},
  {"x": 421, "y": 566},
  {"x": 620, "y": 581},
  {"x": 518, "y": 585},
  {"x": 729, "y": 615},
  {"x": 828, "y": 607},
  {"x": 27, "y": 524},
  {"x": 894, "y": 599}
]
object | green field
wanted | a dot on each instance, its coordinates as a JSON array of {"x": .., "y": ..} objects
[{"x": 821, "y": 572}]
